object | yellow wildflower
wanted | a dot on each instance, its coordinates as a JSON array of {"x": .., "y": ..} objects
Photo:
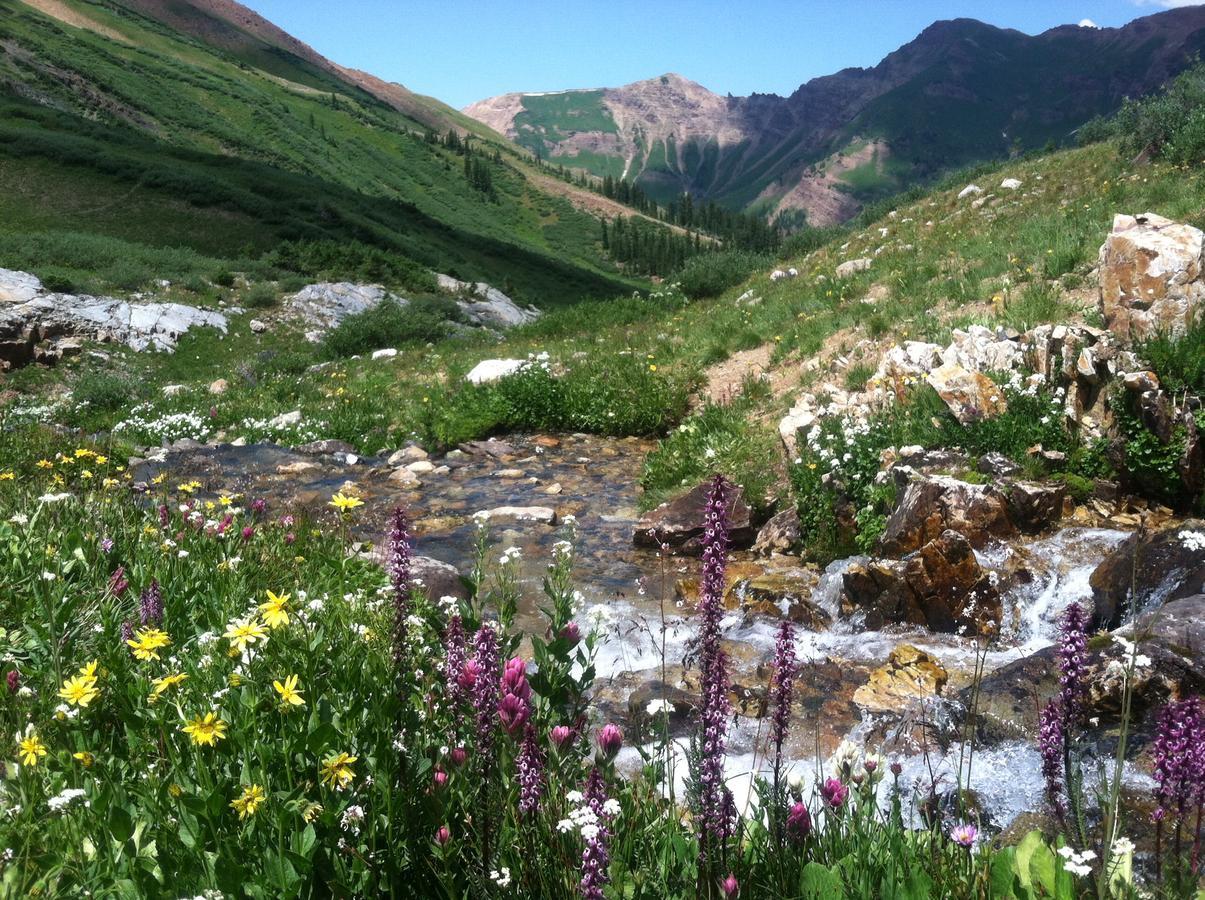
[
  {"x": 276, "y": 610},
  {"x": 79, "y": 690},
  {"x": 159, "y": 685},
  {"x": 174, "y": 789},
  {"x": 311, "y": 812},
  {"x": 160, "y": 478},
  {"x": 206, "y": 730},
  {"x": 84, "y": 758},
  {"x": 30, "y": 749},
  {"x": 251, "y": 799},
  {"x": 89, "y": 671},
  {"x": 344, "y": 503},
  {"x": 101, "y": 460},
  {"x": 289, "y": 695},
  {"x": 147, "y": 643},
  {"x": 44, "y": 464},
  {"x": 7, "y": 476},
  {"x": 243, "y": 632},
  {"x": 337, "y": 771}
]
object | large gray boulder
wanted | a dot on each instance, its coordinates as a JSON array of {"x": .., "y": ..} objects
[
  {"x": 679, "y": 523},
  {"x": 326, "y": 304}
]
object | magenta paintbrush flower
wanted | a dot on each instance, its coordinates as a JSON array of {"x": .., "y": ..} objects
[
  {"x": 834, "y": 793},
  {"x": 610, "y": 739}
]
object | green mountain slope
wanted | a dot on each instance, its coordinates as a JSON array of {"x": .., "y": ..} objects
[{"x": 270, "y": 144}]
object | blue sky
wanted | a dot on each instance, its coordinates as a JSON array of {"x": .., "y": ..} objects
[{"x": 466, "y": 50}]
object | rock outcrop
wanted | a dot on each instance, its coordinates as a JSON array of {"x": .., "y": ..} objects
[
  {"x": 485, "y": 305},
  {"x": 930, "y": 505},
  {"x": 37, "y": 325},
  {"x": 1151, "y": 276},
  {"x": 908, "y": 674}
]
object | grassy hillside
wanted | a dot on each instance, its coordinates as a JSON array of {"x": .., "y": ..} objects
[{"x": 149, "y": 139}]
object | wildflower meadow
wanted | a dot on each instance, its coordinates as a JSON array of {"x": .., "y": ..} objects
[{"x": 205, "y": 695}]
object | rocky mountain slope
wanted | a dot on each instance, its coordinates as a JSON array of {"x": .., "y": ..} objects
[{"x": 961, "y": 92}]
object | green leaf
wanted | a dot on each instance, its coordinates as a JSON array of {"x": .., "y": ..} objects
[
  {"x": 1003, "y": 873},
  {"x": 1044, "y": 870},
  {"x": 1023, "y": 855},
  {"x": 121, "y": 824},
  {"x": 818, "y": 882}
]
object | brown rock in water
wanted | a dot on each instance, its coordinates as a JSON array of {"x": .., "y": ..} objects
[
  {"x": 942, "y": 587},
  {"x": 932, "y": 504},
  {"x": 1034, "y": 506},
  {"x": 1159, "y": 567},
  {"x": 1151, "y": 276},
  {"x": 679, "y": 523},
  {"x": 781, "y": 534},
  {"x": 909, "y": 674}
]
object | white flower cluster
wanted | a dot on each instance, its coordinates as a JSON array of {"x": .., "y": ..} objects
[
  {"x": 510, "y": 555},
  {"x": 582, "y": 818},
  {"x": 149, "y": 426},
  {"x": 1076, "y": 863},
  {"x": 61, "y": 801},
  {"x": 351, "y": 819},
  {"x": 501, "y": 877},
  {"x": 1192, "y": 540}
]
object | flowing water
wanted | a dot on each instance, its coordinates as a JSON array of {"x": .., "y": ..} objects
[{"x": 630, "y": 593}]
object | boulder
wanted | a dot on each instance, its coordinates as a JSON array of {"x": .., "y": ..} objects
[
  {"x": 485, "y": 305},
  {"x": 413, "y": 453},
  {"x": 942, "y": 587},
  {"x": 1151, "y": 276},
  {"x": 320, "y": 448},
  {"x": 908, "y": 674},
  {"x": 219, "y": 386},
  {"x": 438, "y": 579},
  {"x": 1034, "y": 506},
  {"x": 781, "y": 534},
  {"x": 1157, "y": 567},
  {"x": 326, "y": 304},
  {"x": 490, "y": 370},
  {"x": 969, "y": 191},
  {"x": 931, "y": 504},
  {"x": 678, "y": 523},
  {"x": 545, "y": 515},
  {"x": 852, "y": 267},
  {"x": 970, "y": 395},
  {"x": 258, "y": 326},
  {"x": 983, "y": 350},
  {"x": 1010, "y": 184},
  {"x": 384, "y": 353}
]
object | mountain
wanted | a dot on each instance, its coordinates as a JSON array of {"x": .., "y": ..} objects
[
  {"x": 199, "y": 125},
  {"x": 961, "y": 92}
]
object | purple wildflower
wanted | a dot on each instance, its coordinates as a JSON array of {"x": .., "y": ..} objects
[
  {"x": 730, "y": 886},
  {"x": 442, "y": 835},
  {"x": 258, "y": 505},
  {"x": 118, "y": 584},
  {"x": 834, "y": 793},
  {"x": 1179, "y": 755},
  {"x": 781, "y": 689},
  {"x": 609, "y": 739},
  {"x": 530, "y": 766},
  {"x": 714, "y": 808},
  {"x": 1051, "y": 742},
  {"x": 964, "y": 835},
  {"x": 596, "y": 856},
  {"x": 799, "y": 821},
  {"x": 560, "y": 735},
  {"x": 514, "y": 709},
  {"x": 398, "y": 563},
  {"x": 106, "y": 545},
  {"x": 13, "y": 680},
  {"x": 1071, "y": 654},
  {"x": 164, "y": 515},
  {"x": 127, "y": 632},
  {"x": 484, "y": 666},
  {"x": 150, "y": 605},
  {"x": 248, "y": 532}
]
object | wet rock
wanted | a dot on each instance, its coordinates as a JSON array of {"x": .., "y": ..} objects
[
  {"x": 931, "y": 504},
  {"x": 970, "y": 395},
  {"x": 738, "y": 572},
  {"x": 1157, "y": 567},
  {"x": 493, "y": 447},
  {"x": 437, "y": 578},
  {"x": 409, "y": 454},
  {"x": 317, "y": 448},
  {"x": 421, "y": 466},
  {"x": 685, "y": 704},
  {"x": 1150, "y": 276},
  {"x": 553, "y": 489},
  {"x": 679, "y": 523},
  {"x": 404, "y": 477},
  {"x": 776, "y": 594},
  {"x": 1034, "y": 506},
  {"x": 942, "y": 587},
  {"x": 297, "y": 467},
  {"x": 908, "y": 674},
  {"x": 545, "y": 515},
  {"x": 779, "y": 535},
  {"x": 509, "y": 473}
]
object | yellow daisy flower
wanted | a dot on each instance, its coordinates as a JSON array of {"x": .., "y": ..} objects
[
  {"x": 337, "y": 771},
  {"x": 79, "y": 690},
  {"x": 276, "y": 610},
  {"x": 289, "y": 695},
  {"x": 147, "y": 642},
  {"x": 243, "y": 632},
  {"x": 84, "y": 758},
  {"x": 30, "y": 749},
  {"x": 246, "y": 803},
  {"x": 206, "y": 730},
  {"x": 344, "y": 503},
  {"x": 159, "y": 685}
]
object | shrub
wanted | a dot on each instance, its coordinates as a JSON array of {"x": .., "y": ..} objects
[
  {"x": 392, "y": 324},
  {"x": 1168, "y": 125},
  {"x": 260, "y": 296},
  {"x": 224, "y": 278},
  {"x": 710, "y": 274},
  {"x": 1180, "y": 362}
]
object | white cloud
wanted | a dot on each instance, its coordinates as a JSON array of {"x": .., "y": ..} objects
[
  {"x": 1168, "y": 4},
  {"x": 1087, "y": 23}
]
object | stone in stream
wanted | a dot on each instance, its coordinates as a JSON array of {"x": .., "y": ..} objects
[
  {"x": 942, "y": 587},
  {"x": 545, "y": 515},
  {"x": 1158, "y": 567},
  {"x": 781, "y": 534},
  {"x": 678, "y": 523},
  {"x": 932, "y": 504},
  {"x": 317, "y": 448},
  {"x": 1034, "y": 506},
  {"x": 908, "y": 674}
]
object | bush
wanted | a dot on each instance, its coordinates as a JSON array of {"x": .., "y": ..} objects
[
  {"x": 101, "y": 392},
  {"x": 1169, "y": 125},
  {"x": 392, "y": 324},
  {"x": 1180, "y": 362},
  {"x": 260, "y": 296},
  {"x": 351, "y": 260},
  {"x": 710, "y": 274}
]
